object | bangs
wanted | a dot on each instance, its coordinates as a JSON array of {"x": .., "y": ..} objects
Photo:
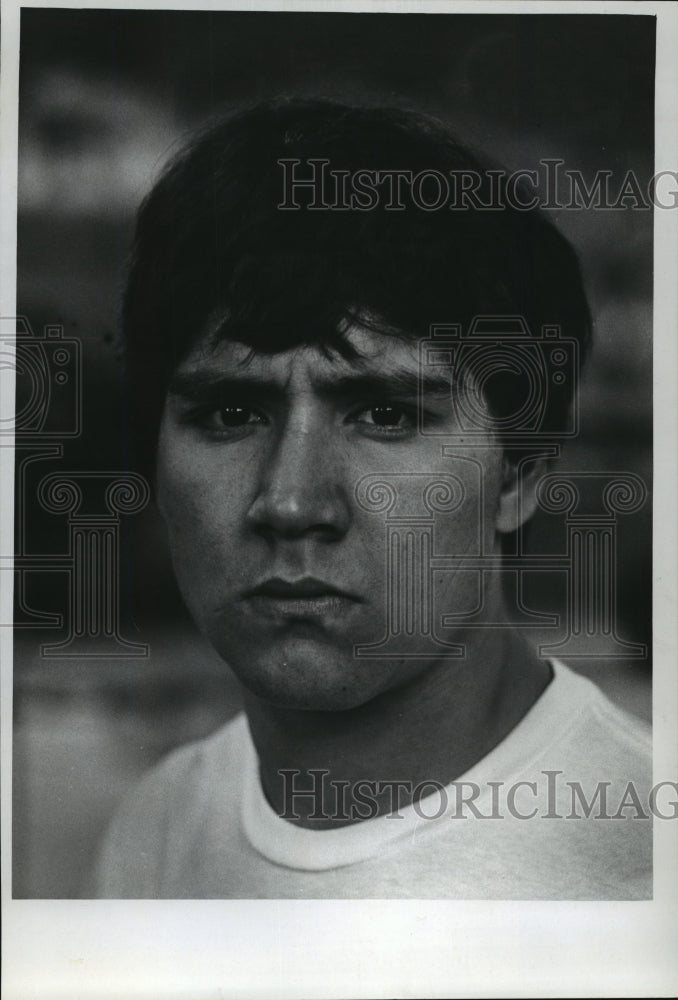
[
  {"x": 276, "y": 301},
  {"x": 219, "y": 254}
]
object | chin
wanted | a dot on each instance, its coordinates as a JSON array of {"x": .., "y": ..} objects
[
  {"x": 297, "y": 700},
  {"x": 308, "y": 679}
]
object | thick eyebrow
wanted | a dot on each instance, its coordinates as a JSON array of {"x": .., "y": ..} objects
[
  {"x": 208, "y": 385},
  {"x": 398, "y": 382}
]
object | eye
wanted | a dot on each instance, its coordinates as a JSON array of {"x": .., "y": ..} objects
[
  {"x": 388, "y": 417},
  {"x": 222, "y": 420},
  {"x": 235, "y": 416}
]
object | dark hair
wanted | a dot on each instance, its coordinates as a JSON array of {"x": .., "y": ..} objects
[{"x": 211, "y": 237}]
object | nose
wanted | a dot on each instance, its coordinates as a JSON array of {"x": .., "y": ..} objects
[{"x": 301, "y": 491}]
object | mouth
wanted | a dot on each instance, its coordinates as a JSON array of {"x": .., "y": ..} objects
[{"x": 306, "y": 597}]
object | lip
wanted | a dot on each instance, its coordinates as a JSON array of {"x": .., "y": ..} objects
[
  {"x": 304, "y": 587},
  {"x": 305, "y": 597}
]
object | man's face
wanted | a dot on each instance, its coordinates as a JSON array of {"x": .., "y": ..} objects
[{"x": 282, "y": 566}]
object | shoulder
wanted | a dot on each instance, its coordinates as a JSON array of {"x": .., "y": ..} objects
[
  {"x": 160, "y": 810},
  {"x": 609, "y": 731},
  {"x": 604, "y": 780}
]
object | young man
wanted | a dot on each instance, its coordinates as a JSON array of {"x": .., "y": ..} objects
[{"x": 400, "y": 737}]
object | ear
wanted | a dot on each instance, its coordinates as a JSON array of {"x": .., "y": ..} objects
[{"x": 518, "y": 496}]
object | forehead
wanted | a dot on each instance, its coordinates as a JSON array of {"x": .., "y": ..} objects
[{"x": 375, "y": 354}]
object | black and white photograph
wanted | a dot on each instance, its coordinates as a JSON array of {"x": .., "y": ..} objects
[{"x": 337, "y": 566}]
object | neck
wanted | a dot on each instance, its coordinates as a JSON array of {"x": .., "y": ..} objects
[{"x": 432, "y": 729}]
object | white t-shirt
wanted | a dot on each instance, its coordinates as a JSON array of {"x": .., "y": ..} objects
[{"x": 515, "y": 826}]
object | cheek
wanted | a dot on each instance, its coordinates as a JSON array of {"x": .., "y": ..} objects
[
  {"x": 196, "y": 496},
  {"x": 471, "y": 527},
  {"x": 467, "y": 531},
  {"x": 202, "y": 510}
]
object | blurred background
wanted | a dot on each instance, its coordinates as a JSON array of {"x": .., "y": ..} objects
[{"x": 105, "y": 98}]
